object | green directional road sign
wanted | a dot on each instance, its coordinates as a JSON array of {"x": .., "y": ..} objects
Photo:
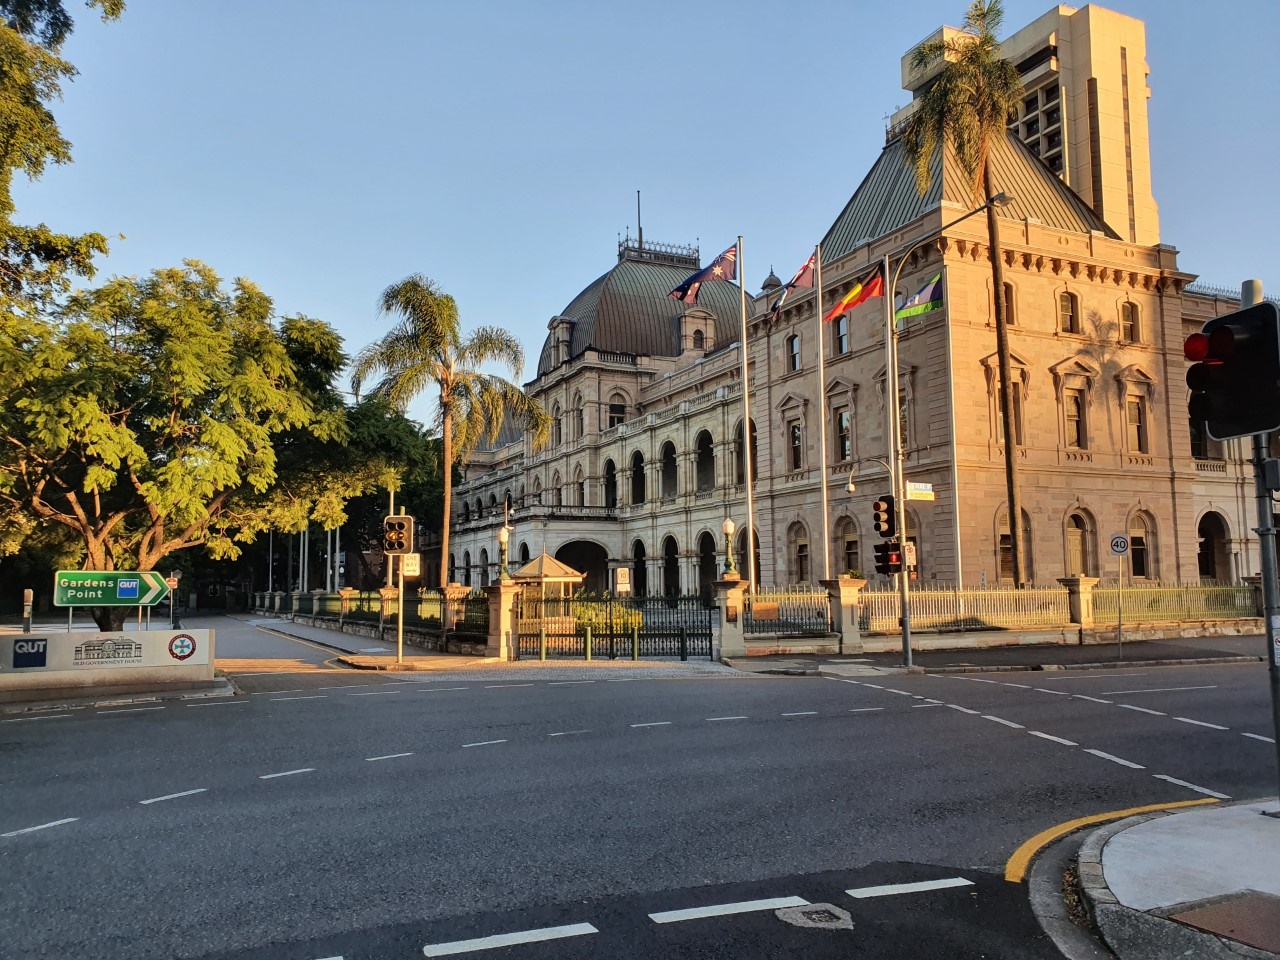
[{"x": 108, "y": 588}]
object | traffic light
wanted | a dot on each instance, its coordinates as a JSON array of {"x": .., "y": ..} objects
[
  {"x": 888, "y": 558},
  {"x": 885, "y": 520},
  {"x": 1235, "y": 372},
  {"x": 397, "y": 535}
]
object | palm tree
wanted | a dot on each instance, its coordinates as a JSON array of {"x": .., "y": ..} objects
[
  {"x": 968, "y": 105},
  {"x": 427, "y": 350}
]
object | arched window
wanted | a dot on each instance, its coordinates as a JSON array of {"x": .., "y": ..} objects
[
  {"x": 1010, "y": 304},
  {"x": 670, "y": 567},
  {"x": 466, "y": 568},
  {"x": 579, "y": 417},
  {"x": 699, "y": 341},
  {"x": 1140, "y": 548},
  {"x": 669, "y": 478},
  {"x": 637, "y": 477},
  {"x": 557, "y": 425},
  {"x": 479, "y": 508},
  {"x": 493, "y": 503},
  {"x": 1079, "y": 552},
  {"x": 1213, "y": 536},
  {"x": 509, "y": 501},
  {"x": 524, "y": 553},
  {"x": 557, "y": 491},
  {"x": 579, "y": 489},
  {"x": 466, "y": 511},
  {"x": 706, "y": 463},
  {"x": 484, "y": 567},
  {"x": 1068, "y": 313},
  {"x": 848, "y": 553},
  {"x": 617, "y": 410},
  {"x": 798, "y": 537},
  {"x": 1004, "y": 547},
  {"x": 453, "y": 568},
  {"x": 610, "y": 485},
  {"x": 537, "y": 489},
  {"x": 793, "y": 352},
  {"x": 1129, "y": 330}
]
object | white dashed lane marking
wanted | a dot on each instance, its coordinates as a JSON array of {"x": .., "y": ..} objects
[
  {"x": 447, "y": 689},
  {"x": 1157, "y": 690},
  {"x": 865, "y": 709},
  {"x": 389, "y": 756},
  {"x": 1201, "y": 723},
  {"x": 373, "y": 693},
  {"x": 956, "y": 706},
  {"x": 43, "y": 826},
  {"x": 483, "y": 743},
  {"x": 1081, "y": 696},
  {"x": 567, "y": 733},
  {"x": 1046, "y": 736},
  {"x": 1258, "y": 736},
  {"x": 893, "y": 889},
  {"x": 715, "y": 719},
  {"x": 1119, "y": 760},
  {"x": 314, "y": 696},
  {"x": 175, "y": 796},
  {"x": 727, "y": 909},
  {"x": 51, "y": 716},
  {"x": 658, "y": 723},
  {"x": 802, "y": 713},
  {"x": 1007, "y": 723},
  {"x": 287, "y": 773},
  {"x": 507, "y": 940},
  {"x": 130, "y": 710},
  {"x": 218, "y": 703},
  {"x": 1191, "y": 786},
  {"x": 1130, "y": 706}
]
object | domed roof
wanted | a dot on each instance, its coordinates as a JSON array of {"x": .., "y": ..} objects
[
  {"x": 629, "y": 310},
  {"x": 771, "y": 282}
]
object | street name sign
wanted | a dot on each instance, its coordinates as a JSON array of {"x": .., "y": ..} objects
[
  {"x": 919, "y": 491},
  {"x": 108, "y": 588}
]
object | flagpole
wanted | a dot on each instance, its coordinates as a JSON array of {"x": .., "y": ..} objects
[
  {"x": 746, "y": 425},
  {"x": 822, "y": 410},
  {"x": 893, "y": 407}
]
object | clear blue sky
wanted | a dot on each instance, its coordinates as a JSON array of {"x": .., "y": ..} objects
[{"x": 325, "y": 150}]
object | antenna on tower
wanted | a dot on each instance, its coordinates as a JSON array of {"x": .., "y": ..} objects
[{"x": 639, "y": 228}]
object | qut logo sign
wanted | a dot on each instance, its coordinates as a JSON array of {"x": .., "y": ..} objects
[{"x": 30, "y": 653}]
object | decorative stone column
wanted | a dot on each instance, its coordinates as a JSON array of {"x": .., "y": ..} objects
[
  {"x": 452, "y": 610},
  {"x": 729, "y": 596},
  {"x": 503, "y": 597},
  {"x": 1080, "y": 598},
  {"x": 843, "y": 592}
]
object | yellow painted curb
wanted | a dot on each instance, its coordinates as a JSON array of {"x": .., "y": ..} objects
[{"x": 1016, "y": 869}]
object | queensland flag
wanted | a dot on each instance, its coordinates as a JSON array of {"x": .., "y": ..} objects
[
  {"x": 928, "y": 297},
  {"x": 803, "y": 278},
  {"x": 723, "y": 267}
]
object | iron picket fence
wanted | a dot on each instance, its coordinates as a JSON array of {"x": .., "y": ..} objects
[
  {"x": 1150, "y": 602},
  {"x": 944, "y": 607},
  {"x": 797, "y": 610},
  {"x": 608, "y": 627}
]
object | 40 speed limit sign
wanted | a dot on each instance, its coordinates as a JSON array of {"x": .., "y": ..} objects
[{"x": 1119, "y": 545}]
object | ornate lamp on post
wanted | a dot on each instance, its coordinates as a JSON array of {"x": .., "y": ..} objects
[
  {"x": 504, "y": 537},
  {"x": 730, "y": 571}
]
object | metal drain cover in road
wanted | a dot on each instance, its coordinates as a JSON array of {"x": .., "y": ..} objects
[
  {"x": 1250, "y": 918},
  {"x": 821, "y": 916}
]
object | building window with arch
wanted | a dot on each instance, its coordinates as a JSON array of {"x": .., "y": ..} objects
[
  {"x": 557, "y": 491},
  {"x": 1005, "y": 547},
  {"x": 637, "y": 478},
  {"x": 466, "y": 511},
  {"x": 493, "y": 504},
  {"x": 617, "y": 410},
  {"x": 793, "y": 352},
  {"x": 840, "y": 334},
  {"x": 699, "y": 340},
  {"x": 847, "y": 547},
  {"x": 1079, "y": 548},
  {"x": 453, "y": 568},
  {"x": 670, "y": 567},
  {"x": 795, "y": 445},
  {"x": 479, "y": 508},
  {"x": 524, "y": 553},
  {"x": 670, "y": 486},
  {"x": 537, "y": 490},
  {"x": 579, "y": 417},
  {"x": 557, "y": 425},
  {"x": 1129, "y": 329},
  {"x": 1010, "y": 313},
  {"x": 1068, "y": 313},
  {"x": 639, "y": 572},
  {"x": 466, "y": 568},
  {"x": 1140, "y": 548},
  {"x": 610, "y": 485},
  {"x": 739, "y": 463},
  {"x": 799, "y": 537},
  {"x": 484, "y": 567},
  {"x": 705, "y": 464},
  {"x": 579, "y": 489},
  {"x": 1136, "y": 423}
]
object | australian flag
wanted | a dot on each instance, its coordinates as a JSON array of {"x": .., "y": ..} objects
[
  {"x": 723, "y": 267},
  {"x": 803, "y": 278}
]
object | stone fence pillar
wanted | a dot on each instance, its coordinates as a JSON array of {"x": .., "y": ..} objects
[
  {"x": 729, "y": 596},
  {"x": 503, "y": 642},
  {"x": 453, "y": 610},
  {"x": 1080, "y": 598},
  {"x": 843, "y": 592}
]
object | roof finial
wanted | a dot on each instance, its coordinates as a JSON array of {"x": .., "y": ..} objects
[{"x": 639, "y": 228}]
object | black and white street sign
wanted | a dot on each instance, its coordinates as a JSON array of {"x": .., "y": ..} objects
[{"x": 1119, "y": 545}]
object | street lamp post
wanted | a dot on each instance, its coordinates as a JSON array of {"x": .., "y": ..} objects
[
  {"x": 730, "y": 571},
  {"x": 891, "y": 389}
]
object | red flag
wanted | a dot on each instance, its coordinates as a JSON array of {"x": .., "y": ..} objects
[{"x": 869, "y": 286}]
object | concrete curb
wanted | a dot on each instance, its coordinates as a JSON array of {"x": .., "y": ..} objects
[
  {"x": 319, "y": 643},
  {"x": 1135, "y": 934},
  {"x": 1045, "y": 891},
  {"x": 1106, "y": 665},
  {"x": 222, "y": 687}
]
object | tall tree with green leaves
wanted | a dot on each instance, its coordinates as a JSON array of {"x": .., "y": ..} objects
[
  {"x": 153, "y": 415},
  {"x": 967, "y": 107},
  {"x": 427, "y": 350}
]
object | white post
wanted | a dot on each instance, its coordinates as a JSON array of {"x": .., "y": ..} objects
[{"x": 1120, "y": 606}]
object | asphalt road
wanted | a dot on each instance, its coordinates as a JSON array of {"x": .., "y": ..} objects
[{"x": 334, "y": 813}]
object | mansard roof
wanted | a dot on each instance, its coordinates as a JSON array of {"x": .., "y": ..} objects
[{"x": 887, "y": 198}]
